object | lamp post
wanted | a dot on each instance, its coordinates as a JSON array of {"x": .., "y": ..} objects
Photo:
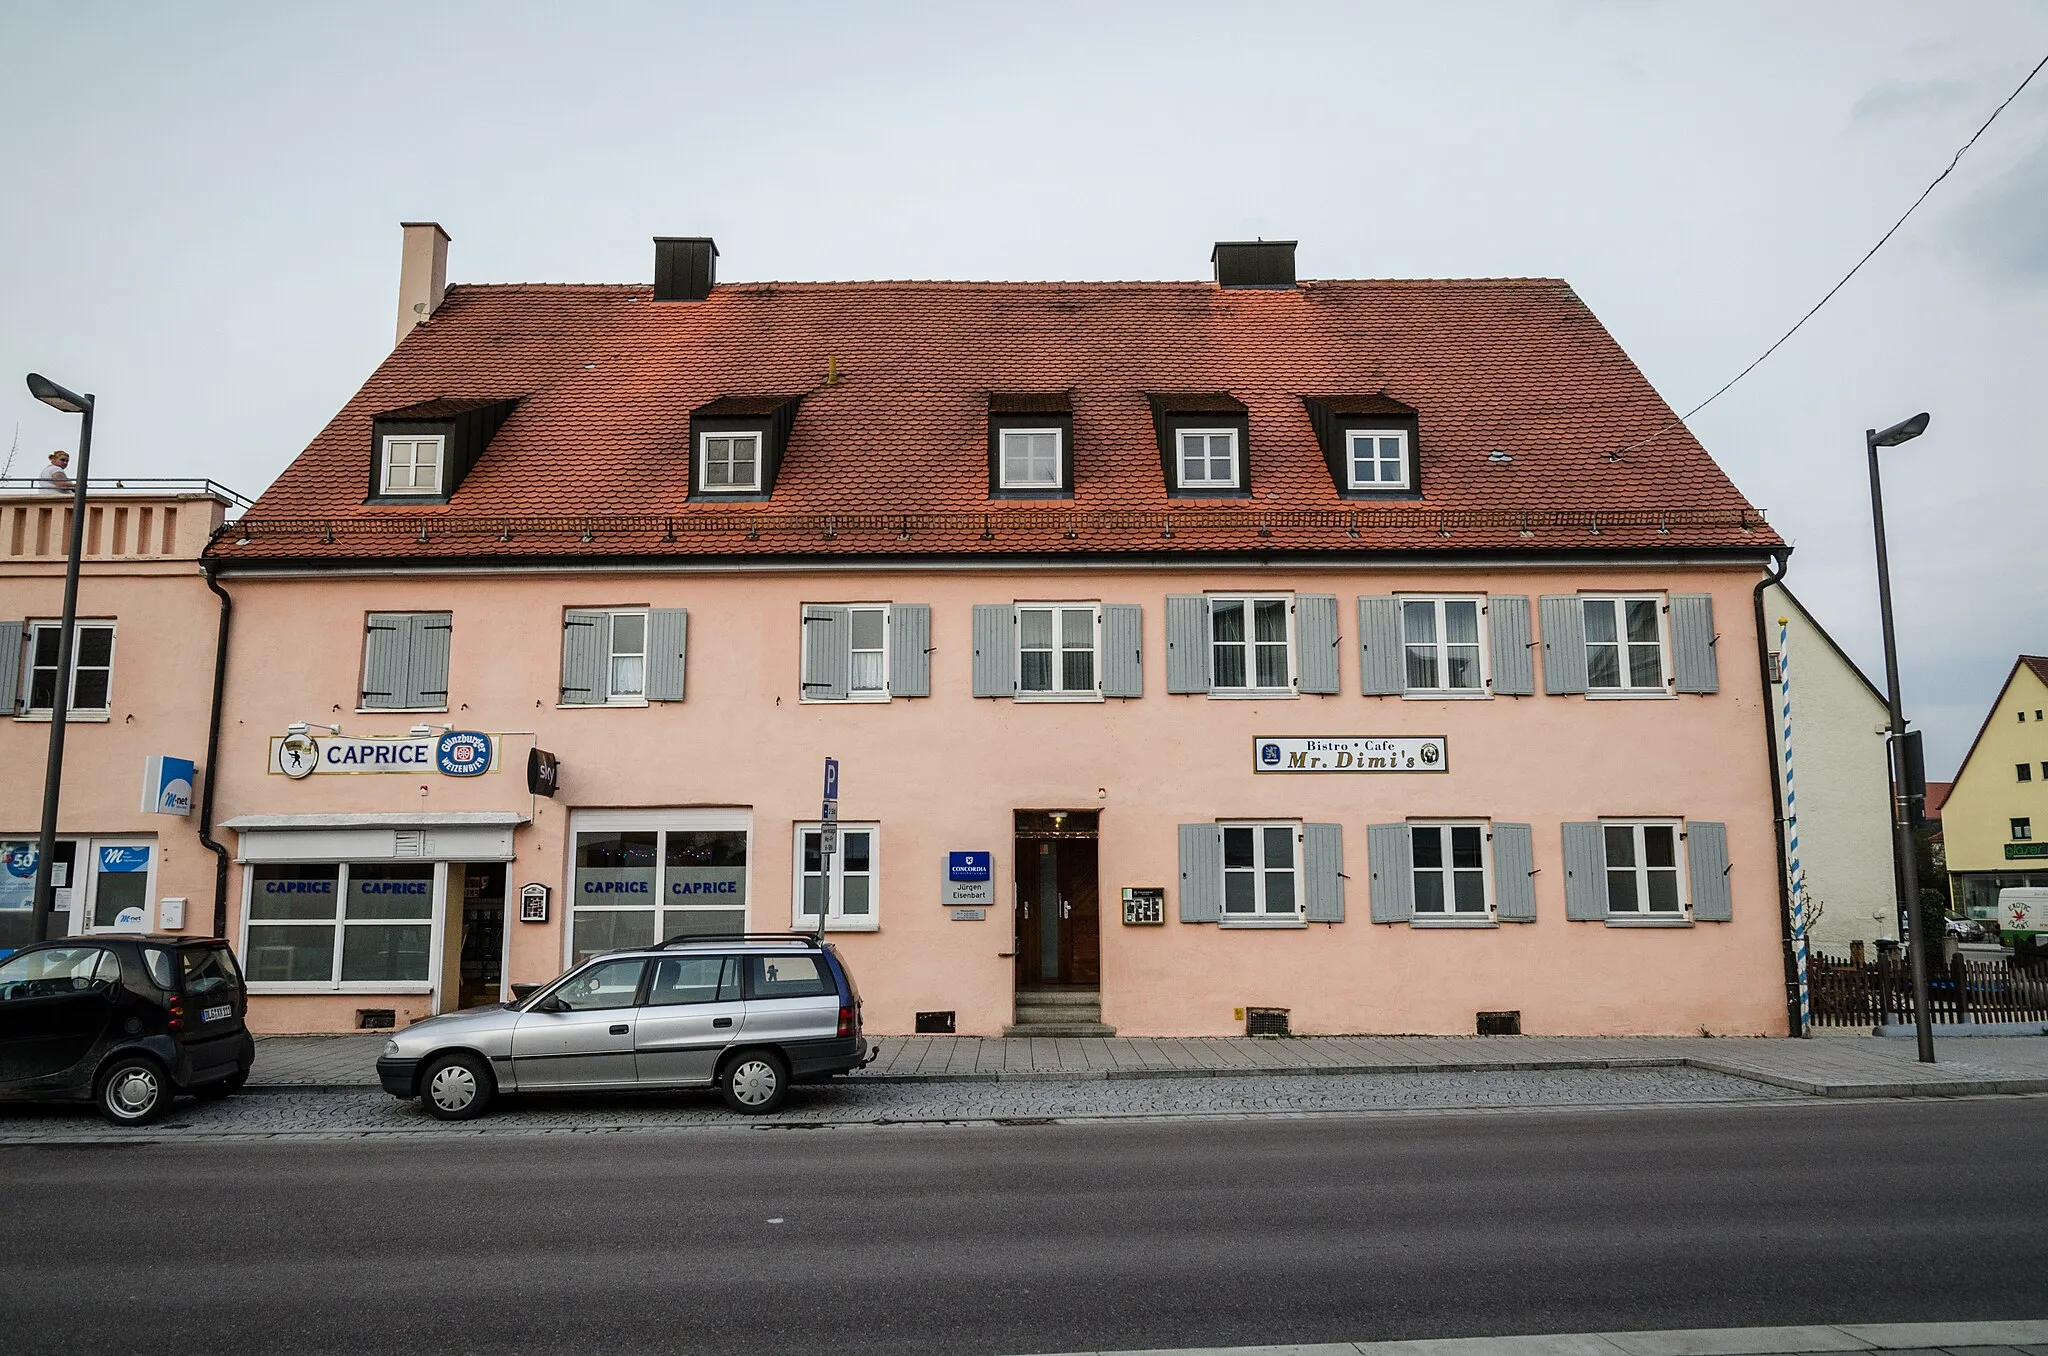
[
  {"x": 57, "y": 398},
  {"x": 1905, "y": 867}
]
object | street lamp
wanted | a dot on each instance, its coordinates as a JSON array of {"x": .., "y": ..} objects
[
  {"x": 1905, "y": 868},
  {"x": 58, "y": 398}
]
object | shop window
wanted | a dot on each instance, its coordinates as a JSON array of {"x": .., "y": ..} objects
[
  {"x": 847, "y": 883},
  {"x": 366, "y": 927},
  {"x": 642, "y": 878}
]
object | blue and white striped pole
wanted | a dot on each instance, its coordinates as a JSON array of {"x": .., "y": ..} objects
[{"x": 1797, "y": 875}]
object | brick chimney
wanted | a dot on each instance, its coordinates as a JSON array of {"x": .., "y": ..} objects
[{"x": 422, "y": 274}]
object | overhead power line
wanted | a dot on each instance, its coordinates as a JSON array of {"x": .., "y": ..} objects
[{"x": 1954, "y": 160}]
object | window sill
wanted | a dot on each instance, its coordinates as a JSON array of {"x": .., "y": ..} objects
[
  {"x": 1611, "y": 695},
  {"x": 1297, "y": 923},
  {"x": 623, "y": 704},
  {"x": 355, "y": 987},
  {"x": 1623, "y": 922},
  {"x": 1459, "y": 696},
  {"x": 836, "y": 925},
  {"x": 1254, "y": 694},
  {"x": 70, "y": 717},
  {"x": 861, "y": 699},
  {"x": 1056, "y": 698},
  {"x": 1455, "y": 924},
  {"x": 399, "y": 711}
]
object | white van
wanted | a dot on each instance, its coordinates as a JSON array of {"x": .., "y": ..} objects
[{"x": 2023, "y": 919}]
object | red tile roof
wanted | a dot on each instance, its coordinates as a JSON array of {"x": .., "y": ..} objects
[{"x": 889, "y": 455}]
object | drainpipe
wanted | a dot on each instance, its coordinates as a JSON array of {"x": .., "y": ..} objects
[
  {"x": 1782, "y": 559},
  {"x": 220, "y": 676}
]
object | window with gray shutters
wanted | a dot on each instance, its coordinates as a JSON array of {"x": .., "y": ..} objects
[
  {"x": 1442, "y": 646},
  {"x": 1201, "y": 873},
  {"x": 1058, "y": 652},
  {"x": 1187, "y": 643},
  {"x": 10, "y": 664},
  {"x": 623, "y": 656},
  {"x": 1251, "y": 645},
  {"x": 865, "y": 652},
  {"x": 1513, "y": 653},
  {"x": 1624, "y": 638},
  {"x": 405, "y": 661},
  {"x": 1693, "y": 643},
  {"x": 1382, "y": 664},
  {"x": 1564, "y": 645}
]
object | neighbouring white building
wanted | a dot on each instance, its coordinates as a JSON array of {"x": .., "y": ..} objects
[{"x": 1844, "y": 784}]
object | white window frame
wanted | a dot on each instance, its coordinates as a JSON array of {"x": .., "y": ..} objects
[
  {"x": 1442, "y": 645},
  {"x": 414, "y": 442},
  {"x": 1180, "y": 462},
  {"x": 1449, "y": 916},
  {"x": 1059, "y": 692},
  {"x": 25, "y": 684},
  {"x": 1642, "y": 869},
  {"x": 436, "y": 934},
  {"x": 853, "y": 694},
  {"x": 661, "y": 823},
  {"x": 611, "y": 654},
  {"x": 1617, "y": 603},
  {"x": 704, "y": 485},
  {"x": 1004, "y": 480},
  {"x": 836, "y": 920},
  {"x": 1292, "y": 687},
  {"x": 1259, "y": 918},
  {"x": 1351, "y": 438}
]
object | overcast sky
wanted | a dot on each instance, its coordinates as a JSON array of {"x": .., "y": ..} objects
[{"x": 201, "y": 207}]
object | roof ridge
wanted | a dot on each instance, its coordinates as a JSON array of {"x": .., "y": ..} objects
[{"x": 1036, "y": 284}]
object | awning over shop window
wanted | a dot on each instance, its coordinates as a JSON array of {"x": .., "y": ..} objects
[{"x": 454, "y": 836}]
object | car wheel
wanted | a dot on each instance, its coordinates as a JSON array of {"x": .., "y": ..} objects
[
  {"x": 456, "y": 1088},
  {"x": 132, "y": 1090},
  {"x": 755, "y": 1082},
  {"x": 226, "y": 1087}
]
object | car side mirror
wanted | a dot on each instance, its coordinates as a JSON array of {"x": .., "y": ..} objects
[{"x": 551, "y": 1004}]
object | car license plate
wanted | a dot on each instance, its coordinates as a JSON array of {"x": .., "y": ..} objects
[{"x": 215, "y": 1014}]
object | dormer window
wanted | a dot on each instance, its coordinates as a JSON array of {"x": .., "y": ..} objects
[
  {"x": 1379, "y": 458},
  {"x": 413, "y": 465},
  {"x": 1030, "y": 458},
  {"x": 1208, "y": 458},
  {"x": 731, "y": 462}
]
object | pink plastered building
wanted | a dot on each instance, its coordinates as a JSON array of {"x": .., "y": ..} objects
[{"x": 1196, "y": 657}]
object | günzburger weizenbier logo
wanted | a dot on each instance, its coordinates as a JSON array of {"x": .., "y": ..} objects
[{"x": 463, "y": 753}]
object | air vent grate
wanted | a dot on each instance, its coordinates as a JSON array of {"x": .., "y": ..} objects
[
  {"x": 935, "y": 1023},
  {"x": 376, "y": 1019},
  {"x": 1265, "y": 1021},
  {"x": 1500, "y": 1023}
]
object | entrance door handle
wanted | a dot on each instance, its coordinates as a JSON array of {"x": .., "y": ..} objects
[
  {"x": 1066, "y": 909},
  {"x": 620, "y": 1029},
  {"x": 721, "y": 1021}
]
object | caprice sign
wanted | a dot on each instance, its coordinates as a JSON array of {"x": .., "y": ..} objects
[
  {"x": 458, "y": 753},
  {"x": 1351, "y": 753}
]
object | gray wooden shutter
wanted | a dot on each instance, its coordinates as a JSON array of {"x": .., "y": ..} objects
[
  {"x": 1382, "y": 666},
  {"x": 1322, "y": 858},
  {"x": 1706, "y": 860},
  {"x": 1123, "y": 650},
  {"x": 387, "y": 645},
  {"x": 1692, "y": 643},
  {"x": 910, "y": 650},
  {"x": 1390, "y": 854},
  {"x": 1585, "y": 873},
  {"x": 427, "y": 673},
  {"x": 668, "y": 646},
  {"x": 828, "y": 654},
  {"x": 1315, "y": 641},
  {"x": 586, "y": 642},
  {"x": 995, "y": 650},
  {"x": 1564, "y": 644},
  {"x": 10, "y": 664},
  {"x": 1187, "y": 643},
  {"x": 1201, "y": 873},
  {"x": 1514, "y": 873},
  {"x": 1507, "y": 628}
]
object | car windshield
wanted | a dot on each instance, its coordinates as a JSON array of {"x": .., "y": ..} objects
[{"x": 58, "y": 970}]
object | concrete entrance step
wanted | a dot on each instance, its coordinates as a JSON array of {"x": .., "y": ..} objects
[
  {"x": 1059, "y": 1029},
  {"x": 1059, "y": 1012}
]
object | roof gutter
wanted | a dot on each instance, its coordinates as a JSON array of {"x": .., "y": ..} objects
[
  {"x": 220, "y": 675},
  {"x": 1782, "y": 559}
]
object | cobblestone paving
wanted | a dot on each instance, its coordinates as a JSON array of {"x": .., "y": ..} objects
[{"x": 351, "y": 1112}]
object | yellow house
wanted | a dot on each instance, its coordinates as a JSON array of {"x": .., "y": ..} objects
[{"x": 1995, "y": 821}]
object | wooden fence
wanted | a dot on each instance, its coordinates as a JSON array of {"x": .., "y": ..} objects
[{"x": 1869, "y": 993}]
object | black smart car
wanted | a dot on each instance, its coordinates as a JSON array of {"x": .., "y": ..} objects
[{"x": 127, "y": 1022}]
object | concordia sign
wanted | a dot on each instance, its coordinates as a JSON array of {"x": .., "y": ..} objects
[
  {"x": 460, "y": 753},
  {"x": 1351, "y": 753}
]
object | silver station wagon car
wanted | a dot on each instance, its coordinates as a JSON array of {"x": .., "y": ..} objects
[{"x": 749, "y": 1015}]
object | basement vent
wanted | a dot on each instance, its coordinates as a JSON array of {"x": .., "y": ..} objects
[
  {"x": 376, "y": 1019},
  {"x": 1500, "y": 1023},
  {"x": 1265, "y": 1021},
  {"x": 935, "y": 1023}
]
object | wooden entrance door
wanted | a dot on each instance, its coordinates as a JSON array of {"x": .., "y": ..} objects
[{"x": 1058, "y": 941}]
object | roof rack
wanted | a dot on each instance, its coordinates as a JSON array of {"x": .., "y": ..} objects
[{"x": 719, "y": 937}]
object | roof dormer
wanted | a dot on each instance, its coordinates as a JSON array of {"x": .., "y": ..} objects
[
  {"x": 420, "y": 453},
  {"x": 1371, "y": 443},
  {"x": 1204, "y": 444},
  {"x": 736, "y": 446},
  {"x": 1030, "y": 445}
]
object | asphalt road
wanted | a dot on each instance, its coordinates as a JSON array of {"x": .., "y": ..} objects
[{"x": 1025, "y": 1238}]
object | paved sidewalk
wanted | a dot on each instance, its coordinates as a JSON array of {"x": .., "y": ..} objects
[
  {"x": 1867, "y": 1066},
  {"x": 1996, "y": 1338}
]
